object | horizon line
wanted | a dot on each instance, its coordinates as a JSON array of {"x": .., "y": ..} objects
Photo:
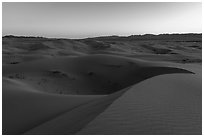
[{"x": 101, "y": 35}]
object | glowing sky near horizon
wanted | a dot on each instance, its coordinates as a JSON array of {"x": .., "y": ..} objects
[{"x": 79, "y": 20}]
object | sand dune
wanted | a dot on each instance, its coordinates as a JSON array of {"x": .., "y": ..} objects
[
  {"x": 101, "y": 85},
  {"x": 172, "y": 48},
  {"x": 101, "y": 74},
  {"x": 28, "y": 98},
  {"x": 166, "y": 104},
  {"x": 29, "y": 107}
]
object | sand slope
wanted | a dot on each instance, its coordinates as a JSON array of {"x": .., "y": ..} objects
[
  {"x": 25, "y": 107},
  {"x": 73, "y": 120},
  {"x": 28, "y": 109},
  {"x": 166, "y": 104}
]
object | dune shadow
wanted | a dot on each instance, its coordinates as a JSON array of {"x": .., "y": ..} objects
[
  {"x": 88, "y": 75},
  {"x": 138, "y": 76}
]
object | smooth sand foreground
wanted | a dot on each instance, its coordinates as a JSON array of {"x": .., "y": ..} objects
[{"x": 166, "y": 104}]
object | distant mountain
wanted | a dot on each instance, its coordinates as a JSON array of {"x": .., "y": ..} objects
[
  {"x": 166, "y": 37},
  {"x": 12, "y": 36},
  {"x": 191, "y": 37}
]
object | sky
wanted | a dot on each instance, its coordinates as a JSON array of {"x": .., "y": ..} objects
[{"x": 81, "y": 20}]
